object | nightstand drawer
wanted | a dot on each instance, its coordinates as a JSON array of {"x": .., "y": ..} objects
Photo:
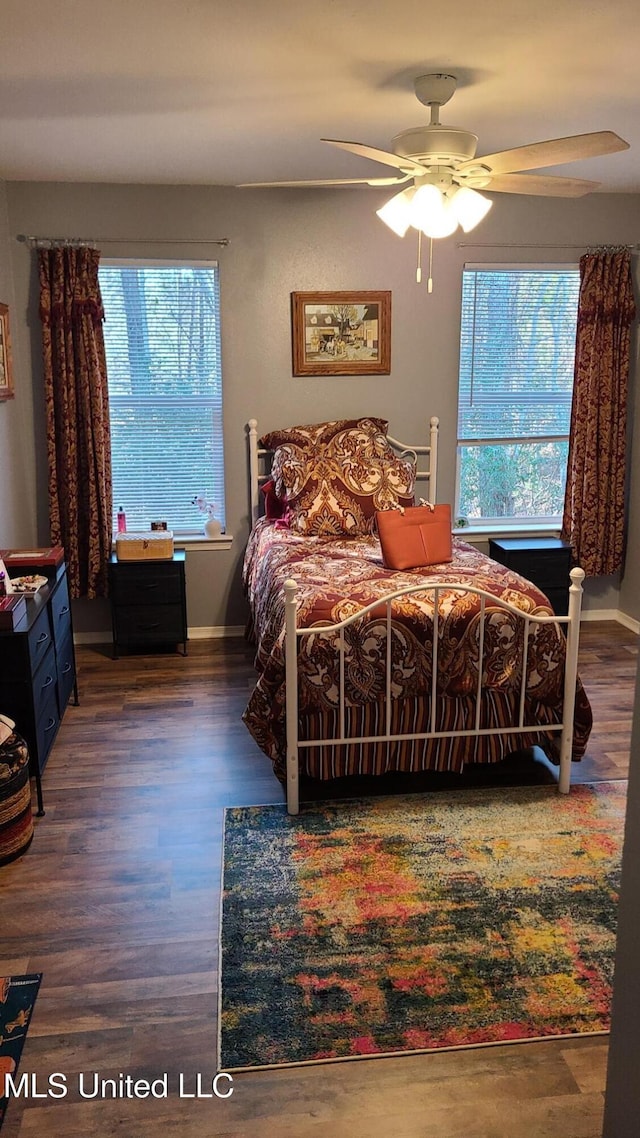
[
  {"x": 548, "y": 569},
  {"x": 559, "y": 600},
  {"x": 157, "y": 624},
  {"x": 146, "y": 585}
]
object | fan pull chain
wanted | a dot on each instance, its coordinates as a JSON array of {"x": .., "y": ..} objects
[
  {"x": 430, "y": 280},
  {"x": 419, "y": 268}
]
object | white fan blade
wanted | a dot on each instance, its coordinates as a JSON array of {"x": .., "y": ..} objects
[
  {"x": 326, "y": 182},
  {"x": 407, "y": 165},
  {"x": 553, "y": 152},
  {"x": 540, "y": 185}
]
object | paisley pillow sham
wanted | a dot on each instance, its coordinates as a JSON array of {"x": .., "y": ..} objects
[{"x": 334, "y": 476}]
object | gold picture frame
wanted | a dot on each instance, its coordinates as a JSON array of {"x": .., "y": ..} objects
[
  {"x": 341, "y": 333},
  {"x": 6, "y": 363}
]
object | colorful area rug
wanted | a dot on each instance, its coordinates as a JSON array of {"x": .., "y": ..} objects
[
  {"x": 17, "y": 997},
  {"x": 415, "y": 923}
]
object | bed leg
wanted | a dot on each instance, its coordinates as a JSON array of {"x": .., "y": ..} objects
[
  {"x": 291, "y": 685},
  {"x": 570, "y": 678},
  {"x": 292, "y": 783}
]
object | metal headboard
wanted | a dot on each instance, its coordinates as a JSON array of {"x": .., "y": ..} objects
[{"x": 259, "y": 457}]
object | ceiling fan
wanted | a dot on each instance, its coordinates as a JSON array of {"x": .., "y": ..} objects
[{"x": 440, "y": 163}]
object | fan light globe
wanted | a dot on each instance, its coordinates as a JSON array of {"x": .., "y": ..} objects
[
  {"x": 469, "y": 207},
  {"x": 395, "y": 212},
  {"x": 432, "y": 213}
]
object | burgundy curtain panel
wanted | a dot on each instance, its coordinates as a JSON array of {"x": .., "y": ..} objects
[
  {"x": 77, "y": 414},
  {"x": 594, "y": 508}
]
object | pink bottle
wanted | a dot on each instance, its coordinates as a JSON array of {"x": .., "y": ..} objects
[{"x": 122, "y": 521}]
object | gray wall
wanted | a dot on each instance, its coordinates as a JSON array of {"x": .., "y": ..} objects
[
  {"x": 281, "y": 241},
  {"x": 17, "y": 500}
]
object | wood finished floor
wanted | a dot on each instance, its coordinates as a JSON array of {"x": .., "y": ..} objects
[{"x": 117, "y": 900}]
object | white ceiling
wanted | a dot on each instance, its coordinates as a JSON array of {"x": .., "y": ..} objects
[{"x": 228, "y": 91}]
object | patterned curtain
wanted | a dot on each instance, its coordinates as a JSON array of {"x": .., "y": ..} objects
[
  {"x": 593, "y": 521},
  {"x": 77, "y": 414}
]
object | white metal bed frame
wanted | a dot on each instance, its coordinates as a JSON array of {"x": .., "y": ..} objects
[{"x": 293, "y": 633}]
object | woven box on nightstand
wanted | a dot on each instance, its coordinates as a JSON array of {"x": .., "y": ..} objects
[{"x": 153, "y": 545}]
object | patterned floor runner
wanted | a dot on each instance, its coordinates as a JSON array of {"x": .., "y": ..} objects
[{"x": 17, "y": 997}]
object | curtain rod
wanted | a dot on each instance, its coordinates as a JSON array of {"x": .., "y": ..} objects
[
  {"x": 47, "y": 242},
  {"x": 538, "y": 245}
]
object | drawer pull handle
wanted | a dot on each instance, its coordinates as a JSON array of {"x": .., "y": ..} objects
[
  {"x": 42, "y": 638},
  {"x": 63, "y": 611},
  {"x": 148, "y": 585},
  {"x": 47, "y": 683},
  {"x": 51, "y": 724},
  {"x": 148, "y": 627},
  {"x": 66, "y": 668}
]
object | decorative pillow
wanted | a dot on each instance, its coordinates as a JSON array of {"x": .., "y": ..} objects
[
  {"x": 335, "y": 476},
  {"x": 274, "y": 507},
  {"x": 310, "y": 435}
]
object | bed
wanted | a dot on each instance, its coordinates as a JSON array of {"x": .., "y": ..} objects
[{"x": 363, "y": 670}]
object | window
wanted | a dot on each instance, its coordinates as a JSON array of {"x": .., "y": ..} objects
[
  {"x": 162, "y": 341},
  {"x": 517, "y": 349}
]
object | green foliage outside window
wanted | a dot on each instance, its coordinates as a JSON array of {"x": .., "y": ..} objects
[{"x": 516, "y": 380}]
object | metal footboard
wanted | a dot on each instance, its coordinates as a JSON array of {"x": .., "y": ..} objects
[{"x": 293, "y": 634}]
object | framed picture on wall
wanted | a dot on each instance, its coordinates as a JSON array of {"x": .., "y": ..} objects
[
  {"x": 341, "y": 333},
  {"x": 6, "y": 366}
]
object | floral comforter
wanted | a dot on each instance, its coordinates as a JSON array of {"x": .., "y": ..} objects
[{"x": 337, "y": 577}]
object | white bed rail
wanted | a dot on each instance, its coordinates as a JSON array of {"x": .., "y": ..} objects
[{"x": 293, "y": 634}]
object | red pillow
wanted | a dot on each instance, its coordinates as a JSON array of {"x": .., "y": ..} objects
[{"x": 274, "y": 507}]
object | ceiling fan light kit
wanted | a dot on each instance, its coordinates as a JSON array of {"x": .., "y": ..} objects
[
  {"x": 446, "y": 173},
  {"x": 436, "y": 212},
  {"x": 396, "y": 213}
]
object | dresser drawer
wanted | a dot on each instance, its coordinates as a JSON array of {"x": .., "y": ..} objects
[
  {"x": 146, "y": 585},
  {"x": 66, "y": 668},
  {"x": 45, "y": 681},
  {"x": 157, "y": 624},
  {"x": 61, "y": 611},
  {"x": 47, "y": 725},
  {"x": 40, "y": 640}
]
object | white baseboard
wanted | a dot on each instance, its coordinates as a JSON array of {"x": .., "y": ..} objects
[
  {"x": 92, "y": 637},
  {"x": 214, "y": 632},
  {"x": 219, "y": 631},
  {"x": 611, "y": 614}
]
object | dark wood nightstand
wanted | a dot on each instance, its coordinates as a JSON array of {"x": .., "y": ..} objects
[
  {"x": 544, "y": 560},
  {"x": 148, "y": 603}
]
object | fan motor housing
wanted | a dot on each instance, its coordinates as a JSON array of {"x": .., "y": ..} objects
[{"x": 435, "y": 144}]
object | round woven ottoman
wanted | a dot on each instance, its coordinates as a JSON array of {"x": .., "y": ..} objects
[{"x": 16, "y": 818}]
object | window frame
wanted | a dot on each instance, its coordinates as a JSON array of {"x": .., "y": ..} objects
[
  {"x": 192, "y": 535},
  {"x": 511, "y": 523}
]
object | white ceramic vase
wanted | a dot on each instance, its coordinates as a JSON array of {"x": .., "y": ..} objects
[{"x": 212, "y": 527}]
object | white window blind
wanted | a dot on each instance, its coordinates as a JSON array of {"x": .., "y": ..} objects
[
  {"x": 162, "y": 342},
  {"x": 517, "y": 351}
]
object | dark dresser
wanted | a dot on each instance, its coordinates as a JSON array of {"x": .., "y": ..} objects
[
  {"x": 544, "y": 560},
  {"x": 37, "y": 665},
  {"x": 148, "y": 603}
]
